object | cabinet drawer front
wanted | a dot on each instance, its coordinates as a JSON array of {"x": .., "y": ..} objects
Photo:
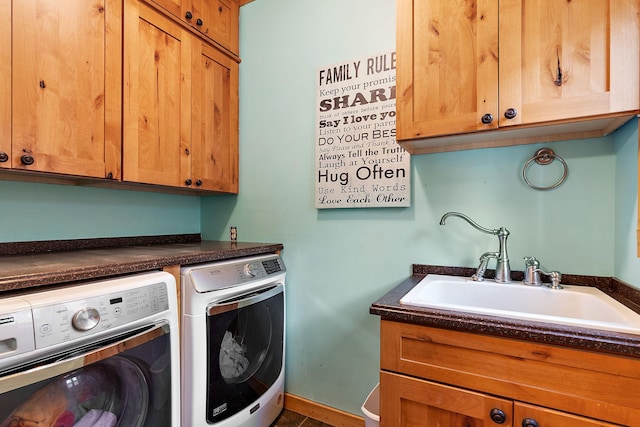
[{"x": 595, "y": 385}]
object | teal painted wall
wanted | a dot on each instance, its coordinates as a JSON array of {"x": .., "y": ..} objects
[
  {"x": 32, "y": 212},
  {"x": 627, "y": 265},
  {"x": 340, "y": 261}
]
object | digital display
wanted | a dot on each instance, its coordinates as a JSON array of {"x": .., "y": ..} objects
[
  {"x": 115, "y": 300},
  {"x": 271, "y": 266}
]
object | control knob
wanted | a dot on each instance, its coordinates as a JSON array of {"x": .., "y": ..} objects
[
  {"x": 86, "y": 319},
  {"x": 251, "y": 269}
]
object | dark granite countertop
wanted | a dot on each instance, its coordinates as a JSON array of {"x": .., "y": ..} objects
[
  {"x": 76, "y": 260},
  {"x": 389, "y": 308}
]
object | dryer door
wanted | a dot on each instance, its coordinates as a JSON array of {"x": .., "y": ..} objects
[
  {"x": 115, "y": 383},
  {"x": 245, "y": 350}
]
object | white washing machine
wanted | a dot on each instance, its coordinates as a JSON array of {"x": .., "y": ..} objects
[
  {"x": 233, "y": 341},
  {"x": 103, "y": 353}
]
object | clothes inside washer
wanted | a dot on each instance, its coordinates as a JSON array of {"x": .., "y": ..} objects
[{"x": 97, "y": 395}]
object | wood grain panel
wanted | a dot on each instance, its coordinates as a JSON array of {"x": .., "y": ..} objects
[
  {"x": 217, "y": 21},
  {"x": 157, "y": 98},
  {"x": 320, "y": 412},
  {"x": 5, "y": 81},
  {"x": 560, "y": 60},
  {"x": 447, "y": 74},
  {"x": 410, "y": 402},
  {"x": 59, "y": 69},
  {"x": 215, "y": 120},
  {"x": 549, "y": 417},
  {"x": 588, "y": 383}
]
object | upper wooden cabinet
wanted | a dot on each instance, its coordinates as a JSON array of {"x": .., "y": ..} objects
[
  {"x": 214, "y": 125},
  {"x": 60, "y": 78},
  {"x": 529, "y": 70},
  {"x": 5, "y": 84},
  {"x": 215, "y": 19},
  {"x": 180, "y": 106}
]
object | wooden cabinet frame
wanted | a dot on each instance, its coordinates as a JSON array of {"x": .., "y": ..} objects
[
  {"x": 589, "y": 384},
  {"x": 61, "y": 84},
  {"x": 460, "y": 63},
  {"x": 180, "y": 106}
]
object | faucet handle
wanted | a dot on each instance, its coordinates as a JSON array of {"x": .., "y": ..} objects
[
  {"x": 484, "y": 260},
  {"x": 555, "y": 277},
  {"x": 531, "y": 276}
]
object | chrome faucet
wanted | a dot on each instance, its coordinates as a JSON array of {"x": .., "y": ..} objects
[{"x": 503, "y": 270}]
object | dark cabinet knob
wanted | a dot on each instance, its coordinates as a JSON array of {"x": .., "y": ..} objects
[
  {"x": 27, "y": 160},
  {"x": 487, "y": 118},
  {"x": 3, "y": 157},
  {"x": 188, "y": 15},
  {"x": 199, "y": 22},
  {"x": 199, "y": 182},
  {"x": 498, "y": 416},
  {"x": 529, "y": 422},
  {"x": 510, "y": 113},
  {"x": 188, "y": 182}
]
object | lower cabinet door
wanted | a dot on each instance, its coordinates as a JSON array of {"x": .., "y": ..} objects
[
  {"x": 535, "y": 416},
  {"x": 411, "y": 402}
]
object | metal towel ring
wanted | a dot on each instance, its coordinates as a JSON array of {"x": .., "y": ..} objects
[{"x": 544, "y": 156}]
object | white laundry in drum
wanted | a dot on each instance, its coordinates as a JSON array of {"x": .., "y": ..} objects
[{"x": 232, "y": 360}]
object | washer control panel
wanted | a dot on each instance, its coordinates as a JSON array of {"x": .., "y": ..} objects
[{"x": 67, "y": 321}]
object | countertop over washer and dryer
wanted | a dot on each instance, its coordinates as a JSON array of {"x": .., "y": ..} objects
[{"x": 25, "y": 265}]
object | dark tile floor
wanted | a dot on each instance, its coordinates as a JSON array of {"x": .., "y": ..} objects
[{"x": 293, "y": 419}]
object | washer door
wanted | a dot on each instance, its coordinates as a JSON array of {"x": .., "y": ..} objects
[
  {"x": 245, "y": 346},
  {"x": 110, "y": 393},
  {"x": 113, "y": 391}
]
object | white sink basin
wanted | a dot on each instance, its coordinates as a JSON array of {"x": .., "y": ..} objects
[{"x": 582, "y": 306}]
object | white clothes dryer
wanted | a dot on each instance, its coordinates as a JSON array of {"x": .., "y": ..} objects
[{"x": 233, "y": 341}]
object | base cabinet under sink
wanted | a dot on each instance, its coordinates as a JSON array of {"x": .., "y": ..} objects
[
  {"x": 412, "y": 402},
  {"x": 432, "y": 377}
]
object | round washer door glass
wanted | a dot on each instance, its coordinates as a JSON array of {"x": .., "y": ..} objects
[
  {"x": 245, "y": 345},
  {"x": 128, "y": 389},
  {"x": 109, "y": 393}
]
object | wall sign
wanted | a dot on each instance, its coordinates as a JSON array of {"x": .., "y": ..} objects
[{"x": 358, "y": 162}]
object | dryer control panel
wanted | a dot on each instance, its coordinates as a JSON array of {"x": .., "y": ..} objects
[{"x": 227, "y": 274}]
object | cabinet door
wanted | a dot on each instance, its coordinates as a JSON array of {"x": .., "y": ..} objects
[
  {"x": 548, "y": 418},
  {"x": 219, "y": 21},
  {"x": 564, "y": 60},
  {"x": 410, "y": 402},
  {"x": 447, "y": 67},
  {"x": 157, "y": 98},
  {"x": 66, "y": 86},
  {"x": 215, "y": 121},
  {"x": 215, "y": 19},
  {"x": 174, "y": 7},
  {"x": 5, "y": 84}
]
